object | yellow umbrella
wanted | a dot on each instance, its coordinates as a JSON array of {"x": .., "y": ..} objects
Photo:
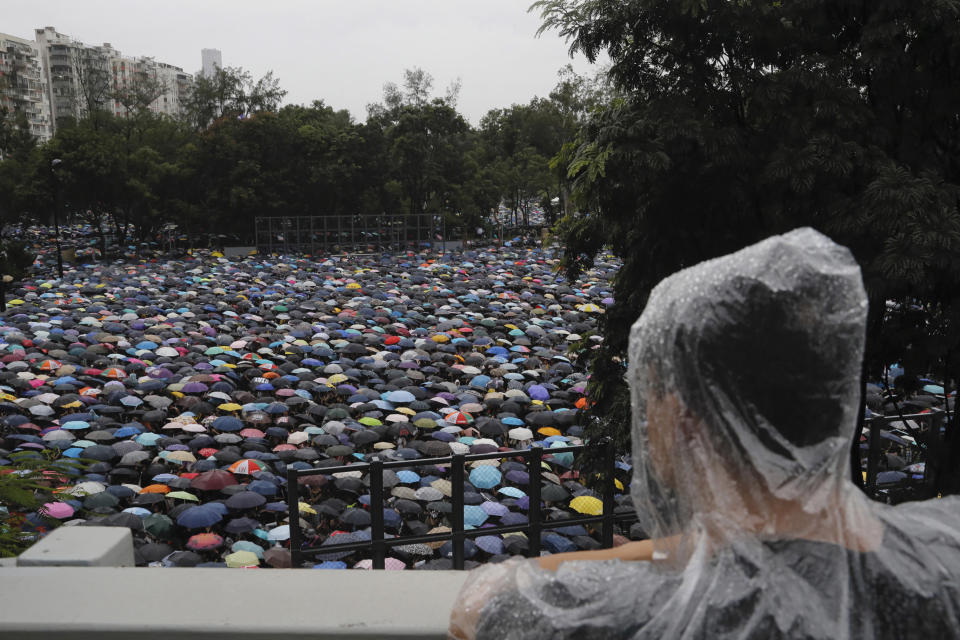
[
  {"x": 587, "y": 505},
  {"x": 337, "y": 378},
  {"x": 305, "y": 508},
  {"x": 229, "y": 406},
  {"x": 240, "y": 559},
  {"x": 181, "y": 456}
]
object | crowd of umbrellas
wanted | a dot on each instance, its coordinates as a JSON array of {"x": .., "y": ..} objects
[{"x": 171, "y": 396}]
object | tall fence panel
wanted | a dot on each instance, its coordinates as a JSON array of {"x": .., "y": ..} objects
[{"x": 347, "y": 233}]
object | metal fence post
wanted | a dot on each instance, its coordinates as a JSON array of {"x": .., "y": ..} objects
[
  {"x": 534, "y": 456},
  {"x": 293, "y": 508},
  {"x": 376, "y": 512},
  {"x": 609, "y": 465},
  {"x": 457, "y": 515},
  {"x": 873, "y": 453}
]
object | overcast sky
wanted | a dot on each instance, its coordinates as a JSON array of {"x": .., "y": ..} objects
[{"x": 339, "y": 51}]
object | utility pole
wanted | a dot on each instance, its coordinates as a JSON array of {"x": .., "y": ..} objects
[{"x": 54, "y": 164}]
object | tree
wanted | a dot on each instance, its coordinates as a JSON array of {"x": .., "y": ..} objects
[
  {"x": 426, "y": 140},
  {"x": 732, "y": 121},
  {"x": 230, "y": 93},
  {"x": 137, "y": 94},
  {"x": 91, "y": 81}
]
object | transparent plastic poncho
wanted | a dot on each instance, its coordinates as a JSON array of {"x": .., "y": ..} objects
[{"x": 745, "y": 381}]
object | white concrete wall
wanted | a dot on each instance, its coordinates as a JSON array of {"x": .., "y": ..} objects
[{"x": 153, "y": 603}]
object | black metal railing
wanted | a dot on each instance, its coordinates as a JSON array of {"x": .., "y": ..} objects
[
  {"x": 927, "y": 440},
  {"x": 535, "y": 524}
]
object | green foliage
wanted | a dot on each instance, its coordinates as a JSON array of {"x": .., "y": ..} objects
[
  {"x": 25, "y": 486},
  {"x": 732, "y": 121},
  {"x": 236, "y": 154}
]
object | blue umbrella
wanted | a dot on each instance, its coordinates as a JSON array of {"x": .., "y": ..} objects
[
  {"x": 490, "y": 544},
  {"x": 538, "y": 392},
  {"x": 227, "y": 423},
  {"x": 555, "y": 543},
  {"x": 512, "y": 492},
  {"x": 480, "y": 381},
  {"x": 495, "y": 508},
  {"x": 513, "y": 518},
  {"x": 148, "y": 439},
  {"x": 474, "y": 515},
  {"x": 263, "y": 487},
  {"x": 246, "y": 545},
  {"x": 399, "y": 396},
  {"x": 408, "y": 477},
  {"x": 199, "y": 517},
  {"x": 331, "y": 564},
  {"x": 518, "y": 477},
  {"x": 485, "y": 477},
  {"x": 469, "y": 549},
  {"x": 391, "y": 518}
]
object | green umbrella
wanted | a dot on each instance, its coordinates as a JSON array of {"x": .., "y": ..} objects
[
  {"x": 157, "y": 525},
  {"x": 102, "y": 499},
  {"x": 183, "y": 495}
]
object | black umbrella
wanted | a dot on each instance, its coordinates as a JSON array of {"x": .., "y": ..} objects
[
  {"x": 122, "y": 519},
  {"x": 355, "y": 517},
  {"x": 154, "y": 551}
]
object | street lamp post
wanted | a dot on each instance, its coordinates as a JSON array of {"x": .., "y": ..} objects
[{"x": 54, "y": 164}]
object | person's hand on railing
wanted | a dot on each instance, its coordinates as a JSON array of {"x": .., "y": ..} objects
[
  {"x": 631, "y": 551},
  {"x": 482, "y": 585}
]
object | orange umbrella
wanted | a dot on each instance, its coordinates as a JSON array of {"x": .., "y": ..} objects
[
  {"x": 155, "y": 488},
  {"x": 204, "y": 541}
]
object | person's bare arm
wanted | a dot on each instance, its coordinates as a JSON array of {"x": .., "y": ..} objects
[{"x": 632, "y": 551}]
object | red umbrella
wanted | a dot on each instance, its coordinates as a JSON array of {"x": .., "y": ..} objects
[
  {"x": 458, "y": 418},
  {"x": 213, "y": 480},
  {"x": 204, "y": 541},
  {"x": 246, "y": 466}
]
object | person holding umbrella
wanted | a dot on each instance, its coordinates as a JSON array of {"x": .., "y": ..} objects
[{"x": 745, "y": 380}]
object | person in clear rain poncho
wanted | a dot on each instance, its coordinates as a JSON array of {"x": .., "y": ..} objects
[{"x": 745, "y": 379}]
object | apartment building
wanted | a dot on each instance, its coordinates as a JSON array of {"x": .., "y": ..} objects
[{"x": 22, "y": 84}]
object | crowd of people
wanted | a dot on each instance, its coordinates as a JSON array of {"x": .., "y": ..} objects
[{"x": 171, "y": 395}]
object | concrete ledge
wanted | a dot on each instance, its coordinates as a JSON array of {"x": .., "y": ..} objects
[
  {"x": 81, "y": 547},
  {"x": 214, "y": 604}
]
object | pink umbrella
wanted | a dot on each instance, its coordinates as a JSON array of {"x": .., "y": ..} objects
[
  {"x": 391, "y": 564},
  {"x": 57, "y": 510}
]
